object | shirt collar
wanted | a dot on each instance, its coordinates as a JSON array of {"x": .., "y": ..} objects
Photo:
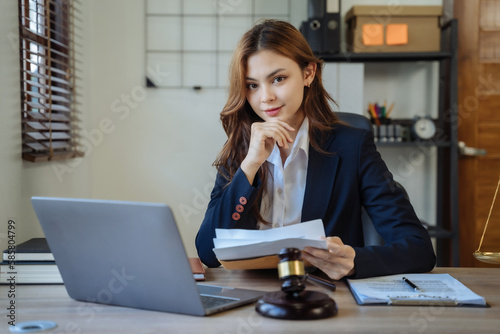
[{"x": 302, "y": 139}]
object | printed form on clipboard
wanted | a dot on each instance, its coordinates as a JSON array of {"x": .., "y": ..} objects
[
  {"x": 433, "y": 289},
  {"x": 258, "y": 249}
]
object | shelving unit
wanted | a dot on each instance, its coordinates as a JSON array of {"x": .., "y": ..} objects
[
  {"x": 386, "y": 57},
  {"x": 446, "y": 230}
]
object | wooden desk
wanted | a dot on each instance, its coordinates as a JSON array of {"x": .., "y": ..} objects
[{"x": 38, "y": 302}]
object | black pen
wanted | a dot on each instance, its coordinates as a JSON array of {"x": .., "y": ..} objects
[{"x": 410, "y": 283}]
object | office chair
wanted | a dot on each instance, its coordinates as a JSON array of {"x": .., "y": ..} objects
[
  {"x": 371, "y": 236},
  {"x": 355, "y": 120}
]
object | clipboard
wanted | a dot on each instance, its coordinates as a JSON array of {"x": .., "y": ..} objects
[
  {"x": 263, "y": 262},
  {"x": 434, "y": 289}
]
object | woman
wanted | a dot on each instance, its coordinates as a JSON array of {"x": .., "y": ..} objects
[{"x": 287, "y": 160}]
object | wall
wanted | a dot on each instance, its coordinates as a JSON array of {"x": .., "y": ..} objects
[
  {"x": 20, "y": 180},
  {"x": 163, "y": 141}
]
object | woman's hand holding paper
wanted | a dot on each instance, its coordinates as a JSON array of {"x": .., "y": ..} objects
[{"x": 336, "y": 262}]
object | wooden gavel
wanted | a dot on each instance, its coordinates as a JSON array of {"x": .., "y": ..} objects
[{"x": 293, "y": 302}]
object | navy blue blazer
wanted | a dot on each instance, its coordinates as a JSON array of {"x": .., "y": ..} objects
[{"x": 338, "y": 185}]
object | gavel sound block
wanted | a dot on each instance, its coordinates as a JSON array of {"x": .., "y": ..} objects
[{"x": 293, "y": 302}]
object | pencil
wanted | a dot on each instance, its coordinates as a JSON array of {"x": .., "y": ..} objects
[
  {"x": 390, "y": 109},
  {"x": 374, "y": 114}
]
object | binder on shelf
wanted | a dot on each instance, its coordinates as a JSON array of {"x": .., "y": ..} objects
[
  {"x": 322, "y": 29},
  {"x": 331, "y": 31}
]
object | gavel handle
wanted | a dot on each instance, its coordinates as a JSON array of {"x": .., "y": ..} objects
[{"x": 321, "y": 282}]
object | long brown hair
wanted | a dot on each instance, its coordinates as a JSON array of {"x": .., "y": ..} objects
[{"x": 237, "y": 116}]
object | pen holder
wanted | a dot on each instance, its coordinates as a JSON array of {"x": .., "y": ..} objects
[
  {"x": 389, "y": 130},
  {"x": 293, "y": 302}
]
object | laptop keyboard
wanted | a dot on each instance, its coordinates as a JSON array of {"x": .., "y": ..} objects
[{"x": 210, "y": 301}]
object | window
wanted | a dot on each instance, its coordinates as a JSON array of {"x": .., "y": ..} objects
[{"x": 48, "y": 94}]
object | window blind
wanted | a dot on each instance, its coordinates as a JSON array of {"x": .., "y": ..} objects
[{"x": 49, "y": 119}]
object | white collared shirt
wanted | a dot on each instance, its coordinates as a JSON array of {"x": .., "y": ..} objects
[{"x": 284, "y": 191}]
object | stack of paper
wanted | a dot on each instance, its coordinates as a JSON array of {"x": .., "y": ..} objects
[{"x": 238, "y": 244}]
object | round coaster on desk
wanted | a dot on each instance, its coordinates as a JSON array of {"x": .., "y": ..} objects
[{"x": 32, "y": 326}]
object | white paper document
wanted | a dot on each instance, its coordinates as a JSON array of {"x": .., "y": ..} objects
[
  {"x": 238, "y": 244},
  {"x": 430, "y": 289}
]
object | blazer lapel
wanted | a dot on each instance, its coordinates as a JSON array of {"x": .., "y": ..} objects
[{"x": 321, "y": 172}]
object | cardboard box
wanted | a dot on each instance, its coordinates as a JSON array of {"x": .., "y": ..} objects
[{"x": 393, "y": 28}]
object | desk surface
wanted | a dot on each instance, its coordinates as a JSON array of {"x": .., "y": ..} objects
[{"x": 51, "y": 302}]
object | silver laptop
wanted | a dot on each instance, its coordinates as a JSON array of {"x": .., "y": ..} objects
[{"x": 128, "y": 254}]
